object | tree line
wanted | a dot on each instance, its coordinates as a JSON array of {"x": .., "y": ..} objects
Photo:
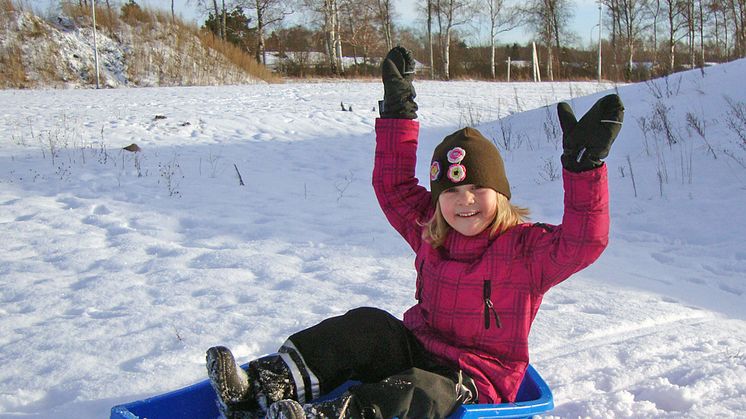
[{"x": 641, "y": 38}]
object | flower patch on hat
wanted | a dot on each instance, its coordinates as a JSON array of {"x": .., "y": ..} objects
[
  {"x": 456, "y": 155},
  {"x": 457, "y": 173},
  {"x": 434, "y": 171}
]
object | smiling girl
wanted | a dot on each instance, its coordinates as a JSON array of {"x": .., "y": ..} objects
[{"x": 482, "y": 272}]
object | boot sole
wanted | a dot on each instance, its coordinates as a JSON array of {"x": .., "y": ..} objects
[{"x": 222, "y": 370}]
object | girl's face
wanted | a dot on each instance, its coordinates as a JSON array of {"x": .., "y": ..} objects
[{"x": 468, "y": 209}]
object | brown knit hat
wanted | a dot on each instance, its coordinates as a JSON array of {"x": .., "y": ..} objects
[{"x": 466, "y": 157}]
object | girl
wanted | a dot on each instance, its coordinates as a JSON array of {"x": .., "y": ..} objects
[{"x": 481, "y": 275}]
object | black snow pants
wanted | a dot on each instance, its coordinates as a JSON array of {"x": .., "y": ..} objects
[{"x": 398, "y": 377}]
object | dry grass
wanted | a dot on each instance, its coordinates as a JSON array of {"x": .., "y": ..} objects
[
  {"x": 106, "y": 18},
  {"x": 12, "y": 69},
  {"x": 8, "y": 7},
  {"x": 238, "y": 57}
]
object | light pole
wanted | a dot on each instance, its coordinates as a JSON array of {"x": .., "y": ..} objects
[{"x": 95, "y": 47}]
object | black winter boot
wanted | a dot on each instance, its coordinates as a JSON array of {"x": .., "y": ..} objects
[
  {"x": 339, "y": 408},
  {"x": 286, "y": 409},
  {"x": 231, "y": 384},
  {"x": 272, "y": 381}
]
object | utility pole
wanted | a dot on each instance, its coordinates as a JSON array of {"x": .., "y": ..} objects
[{"x": 95, "y": 46}]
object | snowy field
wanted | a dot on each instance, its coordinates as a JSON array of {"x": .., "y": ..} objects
[{"x": 118, "y": 269}]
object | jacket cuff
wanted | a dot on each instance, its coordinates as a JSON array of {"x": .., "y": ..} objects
[
  {"x": 586, "y": 190},
  {"x": 392, "y": 134}
]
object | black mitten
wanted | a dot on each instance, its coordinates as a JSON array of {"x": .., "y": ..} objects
[
  {"x": 397, "y": 72},
  {"x": 587, "y": 142}
]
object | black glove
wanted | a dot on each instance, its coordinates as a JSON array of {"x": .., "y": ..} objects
[
  {"x": 587, "y": 142},
  {"x": 397, "y": 72}
]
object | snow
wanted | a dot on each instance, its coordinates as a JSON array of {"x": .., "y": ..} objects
[{"x": 118, "y": 270}]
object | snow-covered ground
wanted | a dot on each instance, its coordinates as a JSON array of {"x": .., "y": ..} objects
[{"x": 118, "y": 270}]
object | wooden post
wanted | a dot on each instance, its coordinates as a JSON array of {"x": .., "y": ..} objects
[{"x": 508, "y": 69}]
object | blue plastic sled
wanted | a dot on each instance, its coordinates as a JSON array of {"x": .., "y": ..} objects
[{"x": 199, "y": 401}]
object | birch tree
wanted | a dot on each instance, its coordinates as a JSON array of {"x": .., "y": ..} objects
[
  {"x": 357, "y": 18},
  {"x": 430, "y": 9},
  {"x": 502, "y": 18},
  {"x": 737, "y": 9},
  {"x": 266, "y": 14},
  {"x": 674, "y": 15},
  {"x": 450, "y": 13},
  {"x": 549, "y": 19},
  {"x": 717, "y": 10},
  {"x": 385, "y": 10},
  {"x": 327, "y": 12},
  {"x": 632, "y": 24}
]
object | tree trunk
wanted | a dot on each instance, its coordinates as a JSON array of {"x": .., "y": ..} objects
[
  {"x": 338, "y": 39},
  {"x": 221, "y": 34},
  {"x": 692, "y": 34},
  {"x": 492, "y": 58},
  {"x": 701, "y": 35},
  {"x": 330, "y": 28},
  {"x": 430, "y": 37},
  {"x": 384, "y": 13},
  {"x": 555, "y": 26},
  {"x": 671, "y": 37},
  {"x": 261, "y": 55},
  {"x": 224, "y": 31},
  {"x": 447, "y": 54}
]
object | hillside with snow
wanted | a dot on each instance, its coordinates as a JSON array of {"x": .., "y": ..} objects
[
  {"x": 58, "y": 51},
  {"x": 118, "y": 269}
]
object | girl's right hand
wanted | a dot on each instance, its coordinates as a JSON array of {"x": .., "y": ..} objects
[{"x": 397, "y": 72}]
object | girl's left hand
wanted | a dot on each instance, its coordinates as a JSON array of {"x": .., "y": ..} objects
[{"x": 587, "y": 142}]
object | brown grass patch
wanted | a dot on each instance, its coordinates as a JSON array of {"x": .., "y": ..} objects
[
  {"x": 12, "y": 70},
  {"x": 238, "y": 57},
  {"x": 106, "y": 18},
  {"x": 8, "y": 6}
]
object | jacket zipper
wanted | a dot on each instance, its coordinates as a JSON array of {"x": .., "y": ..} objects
[
  {"x": 488, "y": 306},
  {"x": 418, "y": 294}
]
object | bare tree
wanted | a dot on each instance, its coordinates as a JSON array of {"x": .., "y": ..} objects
[
  {"x": 654, "y": 13},
  {"x": 717, "y": 10},
  {"x": 327, "y": 14},
  {"x": 674, "y": 13},
  {"x": 737, "y": 9},
  {"x": 266, "y": 14},
  {"x": 220, "y": 14},
  {"x": 430, "y": 10},
  {"x": 549, "y": 19},
  {"x": 450, "y": 13},
  {"x": 357, "y": 17},
  {"x": 689, "y": 15},
  {"x": 385, "y": 9},
  {"x": 632, "y": 23},
  {"x": 502, "y": 18}
]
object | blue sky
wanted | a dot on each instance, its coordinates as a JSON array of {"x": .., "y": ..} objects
[{"x": 583, "y": 23}]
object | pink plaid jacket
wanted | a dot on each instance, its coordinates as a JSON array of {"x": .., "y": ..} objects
[{"x": 477, "y": 296}]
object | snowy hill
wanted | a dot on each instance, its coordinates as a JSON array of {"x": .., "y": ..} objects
[
  {"x": 59, "y": 52},
  {"x": 119, "y": 269}
]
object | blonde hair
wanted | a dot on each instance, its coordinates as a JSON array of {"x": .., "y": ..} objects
[{"x": 507, "y": 215}]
